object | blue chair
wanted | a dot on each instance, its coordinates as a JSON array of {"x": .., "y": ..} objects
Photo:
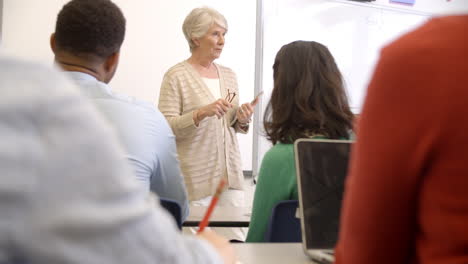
[
  {"x": 284, "y": 226},
  {"x": 174, "y": 208}
]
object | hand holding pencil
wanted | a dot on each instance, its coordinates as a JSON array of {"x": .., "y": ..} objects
[
  {"x": 222, "y": 245},
  {"x": 213, "y": 202}
]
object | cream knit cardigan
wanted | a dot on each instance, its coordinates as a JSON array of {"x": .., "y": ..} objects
[{"x": 201, "y": 149}]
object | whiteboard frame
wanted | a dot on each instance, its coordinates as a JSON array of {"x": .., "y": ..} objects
[
  {"x": 1, "y": 20},
  {"x": 382, "y": 7},
  {"x": 258, "y": 86}
]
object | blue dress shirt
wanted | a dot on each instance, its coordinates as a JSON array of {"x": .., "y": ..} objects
[{"x": 146, "y": 137}]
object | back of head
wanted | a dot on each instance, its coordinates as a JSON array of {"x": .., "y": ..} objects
[
  {"x": 308, "y": 97},
  {"x": 90, "y": 27},
  {"x": 198, "y": 22}
]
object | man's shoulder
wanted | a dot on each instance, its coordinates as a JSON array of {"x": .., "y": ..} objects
[
  {"x": 130, "y": 101},
  {"x": 133, "y": 101},
  {"x": 131, "y": 110}
]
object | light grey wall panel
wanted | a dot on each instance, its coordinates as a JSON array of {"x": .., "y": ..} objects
[{"x": 1, "y": 19}]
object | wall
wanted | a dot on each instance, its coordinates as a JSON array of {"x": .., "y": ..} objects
[
  {"x": 154, "y": 42},
  {"x": 1, "y": 19}
]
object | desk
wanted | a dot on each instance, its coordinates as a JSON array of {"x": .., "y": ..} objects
[
  {"x": 222, "y": 216},
  {"x": 271, "y": 253}
]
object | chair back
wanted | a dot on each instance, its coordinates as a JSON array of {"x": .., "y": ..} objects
[
  {"x": 174, "y": 208},
  {"x": 284, "y": 226}
]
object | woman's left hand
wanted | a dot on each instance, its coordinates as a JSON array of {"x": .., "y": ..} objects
[{"x": 244, "y": 113}]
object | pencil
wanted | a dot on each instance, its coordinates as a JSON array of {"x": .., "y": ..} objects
[{"x": 213, "y": 202}]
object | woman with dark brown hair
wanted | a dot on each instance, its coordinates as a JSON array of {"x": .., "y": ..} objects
[{"x": 308, "y": 101}]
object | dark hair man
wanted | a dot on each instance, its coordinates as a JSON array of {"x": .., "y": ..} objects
[{"x": 86, "y": 43}]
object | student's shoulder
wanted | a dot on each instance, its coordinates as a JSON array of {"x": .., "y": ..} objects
[
  {"x": 130, "y": 100},
  {"x": 428, "y": 39},
  {"x": 137, "y": 106},
  {"x": 279, "y": 152}
]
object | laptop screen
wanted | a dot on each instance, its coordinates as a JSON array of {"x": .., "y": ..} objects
[{"x": 321, "y": 168}]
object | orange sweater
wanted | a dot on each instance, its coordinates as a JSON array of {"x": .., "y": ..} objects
[{"x": 407, "y": 194}]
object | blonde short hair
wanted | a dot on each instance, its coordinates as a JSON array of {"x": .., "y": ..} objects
[{"x": 199, "y": 21}]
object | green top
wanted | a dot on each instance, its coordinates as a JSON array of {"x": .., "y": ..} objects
[{"x": 276, "y": 182}]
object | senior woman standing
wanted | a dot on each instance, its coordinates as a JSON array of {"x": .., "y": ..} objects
[{"x": 200, "y": 100}]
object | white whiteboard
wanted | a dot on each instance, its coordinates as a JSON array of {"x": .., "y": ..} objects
[{"x": 354, "y": 33}]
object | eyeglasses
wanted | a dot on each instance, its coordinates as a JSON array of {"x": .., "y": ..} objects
[{"x": 230, "y": 96}]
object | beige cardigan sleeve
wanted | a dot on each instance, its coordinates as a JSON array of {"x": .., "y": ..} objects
[{"x": 171, "y": 105}]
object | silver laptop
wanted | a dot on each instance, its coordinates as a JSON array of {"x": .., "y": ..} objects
[{"x": 321, "y": 168}]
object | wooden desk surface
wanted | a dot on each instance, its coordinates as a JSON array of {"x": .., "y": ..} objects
[
  {"x": 222, "y": 216},
  {"x": 271, "y": 253}
]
